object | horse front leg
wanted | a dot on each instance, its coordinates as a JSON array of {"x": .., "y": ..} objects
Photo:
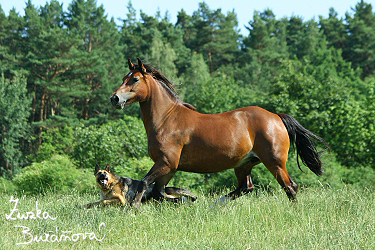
[
  {"x": 159, "y": 188},
  {"x": 158, "y": 171}
]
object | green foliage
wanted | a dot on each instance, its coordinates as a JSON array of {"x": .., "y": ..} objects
[
  {"x": 262, "y": 51},
  {"x": 327, "y": 106},
  {"x": 57, "y": 174},
  {"x": 197, "y": 73},
  {"x": 335, "y": 174},
  {"x": 163, "y": 56},
  {"x": 56, "y": 141},
  {"x": 212, "y": 34},
  {"x": 218, "y": 94},
  {"x": 135, "y": 168},
  {"x": 360, "y": 47},
  {"x": 334, "y": 29},
  {"x": 7, "y": 186},
  {"x": 111, "y": 143},
  {"x": 14, "y": 129}
]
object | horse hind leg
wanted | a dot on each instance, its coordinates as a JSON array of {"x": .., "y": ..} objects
[
  {"x": 281, "y": 174},
  {"x": 243, "y": 174},
  {"x": 245, "y": 185},
  {"x": 294, "y": 185},
  {"x": 278, "y": 171}
]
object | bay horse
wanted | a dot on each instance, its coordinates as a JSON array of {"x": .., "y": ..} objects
[{"x": 181, "y": 139}]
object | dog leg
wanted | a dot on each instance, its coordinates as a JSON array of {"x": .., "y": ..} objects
[
  {"x": 111, "y": 201},
  {"x": 105, "y": 202},
  {"x": 93, "y": 204}
]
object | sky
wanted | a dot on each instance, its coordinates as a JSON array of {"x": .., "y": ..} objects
[{"x": 244, "y": 9}]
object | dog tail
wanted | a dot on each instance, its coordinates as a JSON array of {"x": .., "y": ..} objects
[{"x": 178, "y": 193}]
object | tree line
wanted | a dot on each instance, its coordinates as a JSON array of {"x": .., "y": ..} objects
[{"x": 59, "y": 68}]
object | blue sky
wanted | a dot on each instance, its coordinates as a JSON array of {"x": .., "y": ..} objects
[{"x": 243, "y": 8}]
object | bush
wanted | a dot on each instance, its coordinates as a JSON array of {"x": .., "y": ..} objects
[
  {"x": 55, "y": 141},
  {"x": 7, "y": 186},
  {"x": 112, "y": 143},
  {"x": 57, "y": 174},
  {"x": 219, "y": 94},
  {"x": 359, "y": 176},
  {"x": 134, "y": 168}
]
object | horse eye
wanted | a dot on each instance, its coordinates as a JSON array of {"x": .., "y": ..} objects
[{"x": 135, "y": 79}]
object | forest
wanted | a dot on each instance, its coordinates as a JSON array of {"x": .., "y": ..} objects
[{"x": 59, "y": 68}]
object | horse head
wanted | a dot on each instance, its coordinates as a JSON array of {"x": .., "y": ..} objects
[{"x": 134, "y": 86}]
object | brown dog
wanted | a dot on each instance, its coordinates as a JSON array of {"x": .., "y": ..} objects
[{"x": 117, "y": 189}]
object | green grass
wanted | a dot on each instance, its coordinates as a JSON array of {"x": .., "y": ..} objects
[{"x": 321, "y": 219}]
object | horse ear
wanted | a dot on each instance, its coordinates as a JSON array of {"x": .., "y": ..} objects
[
  {"x": 131, "y": 65},
  {"x": 97, "y": 167},
  {"x": 141, "y": 66},
  {"x": 107, "y": 168}
]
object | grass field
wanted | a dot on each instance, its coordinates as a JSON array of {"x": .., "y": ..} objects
[{"x": 321, "y": 219}]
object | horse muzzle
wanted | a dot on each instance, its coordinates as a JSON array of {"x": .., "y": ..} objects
[
  {"x": 119, "y": 100},
  {"x": 115, "y": 100}
]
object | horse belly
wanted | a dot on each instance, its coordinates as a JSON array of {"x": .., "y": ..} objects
[
  {"x": 219, "y": 142},
  {"x": 211, "y": 159}
]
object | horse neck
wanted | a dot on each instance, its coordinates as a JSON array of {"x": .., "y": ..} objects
[{"x": 157, "y": 107}]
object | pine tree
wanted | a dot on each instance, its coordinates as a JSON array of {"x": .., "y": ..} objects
[
  {"x": 98, "y": 58},
  {"x": 334, "y": 30},
  {"x": 263, "y": 49},
  {"x": 185, "y": 24},
  {"x": 267, "y": 38},
  {"x": 216, "y": 36},
  {"x": 46, "y": 57},
  {"x": 5, "y": 57},
  {"x": 11, "y": 44},
  {"x": 14, "y": 127},
  {"x": 361, "y": 39},
  {"x": 131, "y": 39},
  {"x": 197, "y": 73},
  {"x": 163, "y": 56},
  {"x": 137, "y": 37}
]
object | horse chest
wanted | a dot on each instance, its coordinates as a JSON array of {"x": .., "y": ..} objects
[{"x": 166, "y": 143}]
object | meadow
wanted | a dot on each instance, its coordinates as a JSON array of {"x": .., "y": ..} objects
[{"x": 322, "y": 218}]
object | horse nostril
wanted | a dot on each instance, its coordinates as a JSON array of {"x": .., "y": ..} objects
[{"x": 114, "y": 100}]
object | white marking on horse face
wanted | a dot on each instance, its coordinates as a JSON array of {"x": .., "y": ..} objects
[{"x": 124, "y": 97}]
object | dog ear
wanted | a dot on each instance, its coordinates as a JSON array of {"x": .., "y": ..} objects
[
  {"x": 96, "y": 169},
  {"x": 107, "y": 168}
]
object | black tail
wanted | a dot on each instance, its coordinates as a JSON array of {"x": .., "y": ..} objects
[{"x": 302, "y": 138}]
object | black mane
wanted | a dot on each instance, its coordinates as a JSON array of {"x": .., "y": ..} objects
[{"x": 166, "y": 84}]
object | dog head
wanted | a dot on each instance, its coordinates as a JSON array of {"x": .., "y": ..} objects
[{"x": 104, "y": 178}]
